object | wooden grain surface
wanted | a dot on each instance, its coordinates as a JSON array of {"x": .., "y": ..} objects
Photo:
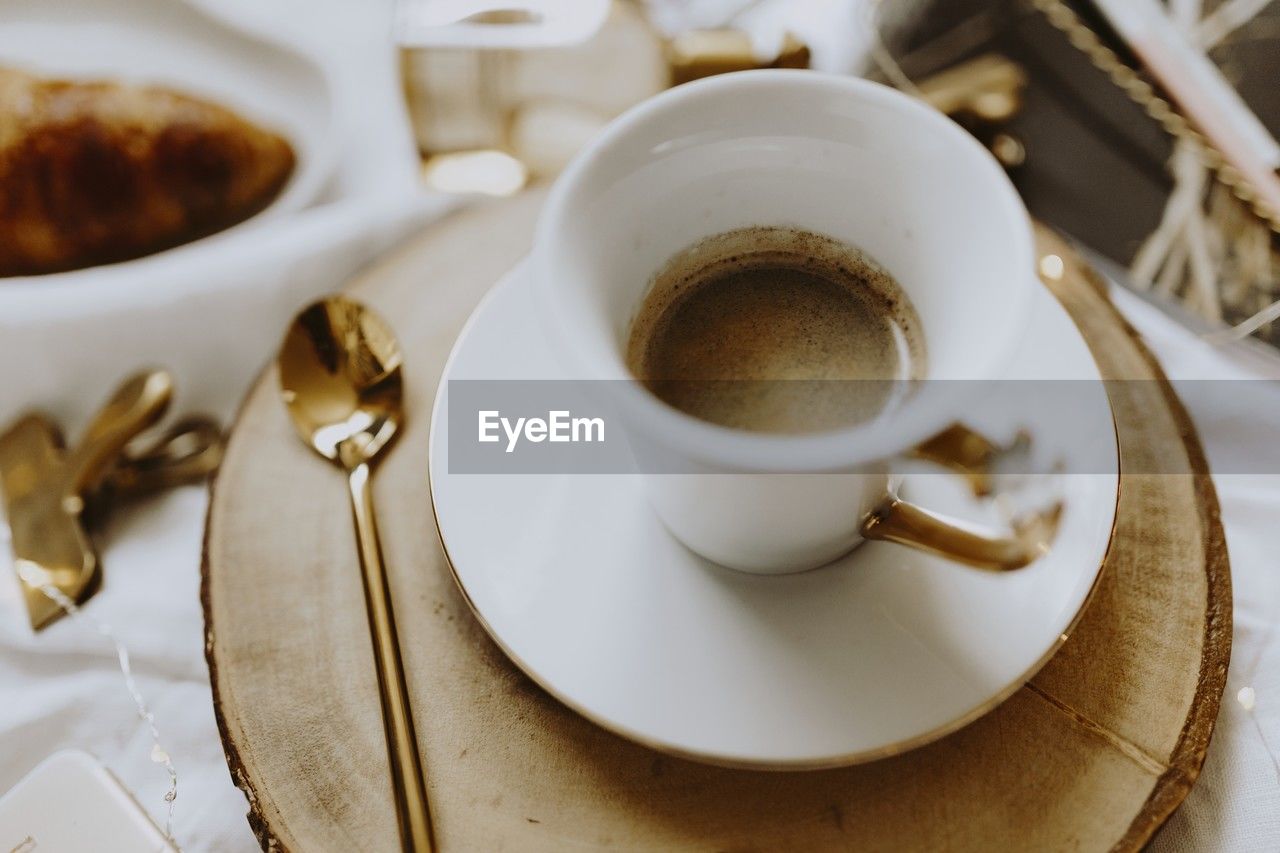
[{"x": 1094, "y": 753}]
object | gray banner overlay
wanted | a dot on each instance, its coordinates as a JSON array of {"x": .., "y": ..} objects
[{"x": 568, "y": 426}]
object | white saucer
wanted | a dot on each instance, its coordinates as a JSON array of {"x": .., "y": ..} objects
[{"x": 884, "y": 650}]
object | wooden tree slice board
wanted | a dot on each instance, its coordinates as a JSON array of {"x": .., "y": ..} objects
[{"x": 1094, "y": 753}]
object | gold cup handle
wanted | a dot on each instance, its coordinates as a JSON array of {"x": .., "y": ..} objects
[{"x": 972, "y": 455}]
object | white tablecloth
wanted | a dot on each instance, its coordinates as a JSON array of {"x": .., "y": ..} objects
[
  {"x": 63, "y": 689},
  {"x": 1236, "y": 804}
]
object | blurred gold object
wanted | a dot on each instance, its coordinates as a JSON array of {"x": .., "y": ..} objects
[
  {"x": 978, "y": 460},
  {"x": 967, "y": 452},
  {"x": 988, "y": 88},
  {"x": 1029, "y": 538},
  {"x": 983, "y": 94},
  {"x": 340, "y": 379},
  {"x": 48, "y": 489},
  {"x": 186, "y": 453},
  {"x": 703, "y": 53}
]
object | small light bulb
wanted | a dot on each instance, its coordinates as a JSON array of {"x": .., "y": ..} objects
[{"x": 1052, "y": 267}]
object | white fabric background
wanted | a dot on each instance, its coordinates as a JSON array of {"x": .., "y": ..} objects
[{"x": 63, "y": 689}]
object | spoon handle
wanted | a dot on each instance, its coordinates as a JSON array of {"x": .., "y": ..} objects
[{"x": 412, "y": 811}]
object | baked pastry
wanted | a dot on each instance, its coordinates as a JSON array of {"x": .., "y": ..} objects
[{"x": 95, "y": 172}]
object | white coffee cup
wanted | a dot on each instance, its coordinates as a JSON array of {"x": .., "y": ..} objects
[{"x": 839, "y": 156}]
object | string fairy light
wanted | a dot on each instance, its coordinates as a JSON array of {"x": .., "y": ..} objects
[{"x": 38, "y": 578}]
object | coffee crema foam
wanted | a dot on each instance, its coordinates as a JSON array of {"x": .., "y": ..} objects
[{"x": 776, "y": 330}]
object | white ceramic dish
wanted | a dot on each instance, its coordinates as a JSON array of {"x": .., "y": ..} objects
[
  {"x": 881, "y": 651},
  {"x": 67, "y": 338},
  {"x": 174, "y": 44}
]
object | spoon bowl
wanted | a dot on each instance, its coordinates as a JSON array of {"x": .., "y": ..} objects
[{"x": 340, "y": 378}]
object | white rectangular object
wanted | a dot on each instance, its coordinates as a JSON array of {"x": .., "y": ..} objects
[{"x": 70, "y": 803}]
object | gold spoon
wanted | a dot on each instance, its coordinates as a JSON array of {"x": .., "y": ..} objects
[{"x": 340, "y": 379}]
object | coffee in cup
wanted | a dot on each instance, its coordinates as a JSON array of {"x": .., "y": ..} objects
[{"x": 776, "y": 329}]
